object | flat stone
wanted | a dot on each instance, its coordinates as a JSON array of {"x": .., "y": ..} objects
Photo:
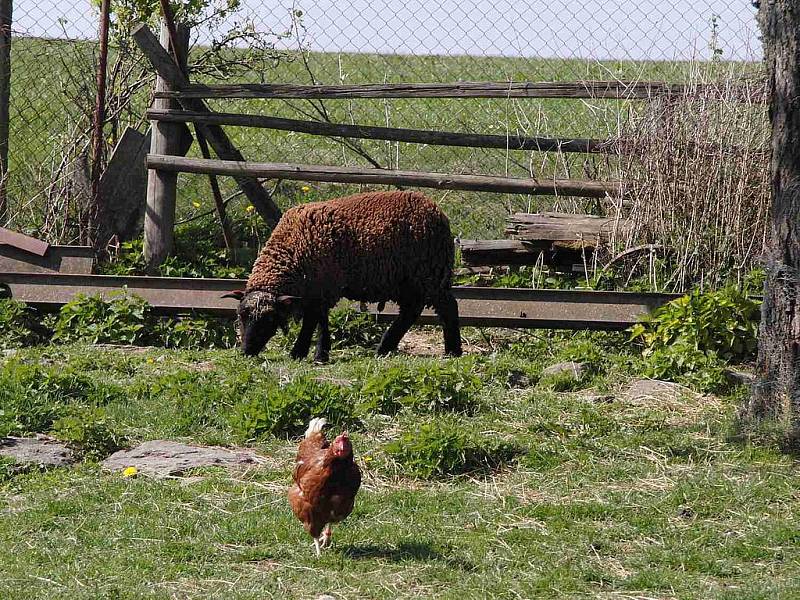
[
  {"x": 597, "y": 398},
  {"x": 654, "y": 389},
  {"x": 518, "y": 379},
  {"x": 737, "y": 377},
  {"x": 576, "y": 369},
  {"x": 41, "y": 450},
  {"x": 164, "y": 457}
]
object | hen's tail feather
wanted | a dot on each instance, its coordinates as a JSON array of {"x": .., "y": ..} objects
[{"x": 315, "y": 425}]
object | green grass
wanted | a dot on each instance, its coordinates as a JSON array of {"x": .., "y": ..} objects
[
  {"x": 53, "y": 96},
  {"x": 604, "y": 499}
]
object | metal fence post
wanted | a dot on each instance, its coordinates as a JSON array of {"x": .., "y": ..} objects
[{"x": 6, "y": 10}]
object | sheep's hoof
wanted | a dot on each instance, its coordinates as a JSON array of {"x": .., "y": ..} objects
[{"x": 321, "y": 359}]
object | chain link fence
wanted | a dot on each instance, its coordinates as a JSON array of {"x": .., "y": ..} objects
[{"x": 361, "y": 41}]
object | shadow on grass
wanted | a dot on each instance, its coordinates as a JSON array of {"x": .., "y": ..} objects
[{"x": 406, "y": 551}]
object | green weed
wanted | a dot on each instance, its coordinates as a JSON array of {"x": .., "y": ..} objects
[
  {"x": 286, "y": 411},
  {"x": 445, "y": 447}
]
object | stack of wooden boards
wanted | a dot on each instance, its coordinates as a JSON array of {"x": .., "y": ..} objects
[{"x": 559, "y": 240}]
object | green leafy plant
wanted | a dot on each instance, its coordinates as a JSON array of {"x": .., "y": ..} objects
[
  {"x": 121, "y": 318},
  {"x": 188, "y": 332},
  {"x": 32, "y": 398},
  {"x": 445, "y": 447},
  {"x": 20, "y": 325},
  {"x": 724, "y": 321},
  {"x": 90, "y": 432},
  {"x": 287, "y": 410},
  {"x": 349, "y": 327},
  {"x": 686, "y": 364},
  {"x": 448, "y": 386},
  {"x": 691, "y": 338}
]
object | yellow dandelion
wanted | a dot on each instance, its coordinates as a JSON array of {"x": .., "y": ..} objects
[
  {"x": 367, "y": 458},
  {"x": 196, "y": 204},
  {"x": 150, "y": 360},
  {"x": 130, "y": 471},
  {"x": 250, "y": 208},
  {"x": 305, "y": 189}
]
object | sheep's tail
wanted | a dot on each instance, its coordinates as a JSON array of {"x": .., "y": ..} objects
[{"x": 315, "y": 426}]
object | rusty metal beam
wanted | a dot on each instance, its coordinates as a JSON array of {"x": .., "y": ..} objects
[{"x": 480, "y": 307}]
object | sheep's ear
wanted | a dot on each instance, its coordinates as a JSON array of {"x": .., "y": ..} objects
[
  {"x": 238, "y": 294},
  {"x": 287, "y": 300}
]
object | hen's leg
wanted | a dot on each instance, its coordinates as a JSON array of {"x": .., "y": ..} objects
[
  {"x": 316, "y": 546},
  {"x": 327, "y": 534}
]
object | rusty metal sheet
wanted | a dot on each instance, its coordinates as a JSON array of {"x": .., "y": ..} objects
[
  {"x": 23, "y": 242},
  {"x": 57, "y": 259},
  {"x": 168, "y": 295},
  {"x": 482, "y": 307},
  {"x": 545, "y": 309}
]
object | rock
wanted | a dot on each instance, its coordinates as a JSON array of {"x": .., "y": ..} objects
[
  {"x": 737, "y": 377},
  {"x": 41, "y": 450},
  {"x": 164, "y": 457},
  {"x": 326, "y": 597},
  {"x": 577, "y": 369},
  {"x": 518, "y": 379},
  {"x": 597, "y": 398},
  {"x": 654, "y": 389},
  {"x": 9, "y": 353}
]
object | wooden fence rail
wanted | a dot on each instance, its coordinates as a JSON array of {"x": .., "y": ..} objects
[
  {"x": 417, "y": 136},
  {"x": 479, "y": 183},
  {"x": 615, "y": 90}
]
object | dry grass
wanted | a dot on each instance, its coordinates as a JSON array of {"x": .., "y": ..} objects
[{"x": 697, "y": 171}]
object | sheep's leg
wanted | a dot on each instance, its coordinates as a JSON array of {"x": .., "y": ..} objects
[
  {"x": 409, "y": 313},
  {"x": 323, "y": 350},
  {"x": 447, "y": 309},
  {"x": 303, "y": 341}
]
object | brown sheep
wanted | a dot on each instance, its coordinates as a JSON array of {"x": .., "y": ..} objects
[{"x": 372, "y": 247}]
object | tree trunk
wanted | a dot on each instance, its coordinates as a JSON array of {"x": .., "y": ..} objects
[{"x": 777, "y": 392}]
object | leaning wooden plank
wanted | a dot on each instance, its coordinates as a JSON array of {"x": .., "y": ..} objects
[
  {"x": 123, "y": 184},
  {"x": 479, "y": 183},
  {"x": 417, "y": 136},
  {"x": 625, "y": 90},
  {"x": 216, "y": 136}
]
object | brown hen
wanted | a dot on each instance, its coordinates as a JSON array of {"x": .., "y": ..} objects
[{"x": 326, "y": 481}]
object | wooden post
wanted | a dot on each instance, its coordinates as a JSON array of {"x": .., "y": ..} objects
[
  {"x": 777, "y": 391},
  {"x": 167, "y": 69},
  {"x": 6, "y": 10},
  {"x": 162, "y": 187}
]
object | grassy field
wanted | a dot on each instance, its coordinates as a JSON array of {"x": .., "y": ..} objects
[
  {"x": 53, "y": 96},
  {"x": 600, "y": 496}
]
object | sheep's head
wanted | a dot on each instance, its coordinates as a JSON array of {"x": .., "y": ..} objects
[{"x": 260, "y": 314}]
